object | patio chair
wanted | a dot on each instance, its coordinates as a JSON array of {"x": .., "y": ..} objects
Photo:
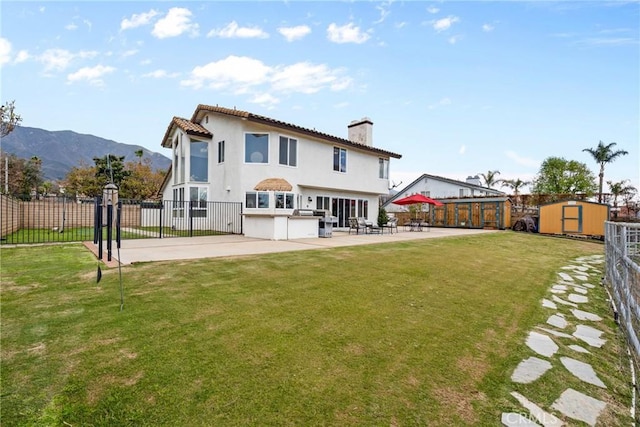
[
  {"x": 357, "y": 225},
  {"x": 393, "y": 223},
  {"x": 371, "y": 227}
]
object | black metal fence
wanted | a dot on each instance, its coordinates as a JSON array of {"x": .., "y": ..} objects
[{"x": 60, "y": 219}]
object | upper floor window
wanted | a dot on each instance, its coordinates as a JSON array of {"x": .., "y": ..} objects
[
  {"x": 339, "y": 159},
  {"x": 256, "y": 148},
  {"x": 384, "y": 168},
  {"x": 199, "y": 161},
  {"x": 220, "y": 151},
  {"x": 288, "y": 151}
]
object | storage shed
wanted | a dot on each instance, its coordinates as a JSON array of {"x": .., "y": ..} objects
[
  {"x": 482, "y": 212},
  {"x": 573, "y": 217}
]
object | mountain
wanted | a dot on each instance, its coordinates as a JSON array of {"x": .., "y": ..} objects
[{"x": 59, "y": 151}]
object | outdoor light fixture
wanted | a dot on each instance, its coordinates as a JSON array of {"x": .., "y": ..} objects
[{"x": 310, "y": 199}]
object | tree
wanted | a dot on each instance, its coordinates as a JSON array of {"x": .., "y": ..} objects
[
  {"x": 111, "y": 168},
  {"x": 383, "y": 218},
  {"x": 81, "y": 181},
  {"x": 604, "y": 154},
  {"x": 143, "y": 182},
  {"x": 515, "y": 185},
  {"x": 621, "y": 188},
  {"x": 9, "y": 118},
  {"x": 560, "y": 176},
  {"x": 490, "y": 178},
  {"x": 139, "y": 154}
]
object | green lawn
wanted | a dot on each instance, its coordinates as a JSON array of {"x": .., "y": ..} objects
[{"x": 424, "y": 332}]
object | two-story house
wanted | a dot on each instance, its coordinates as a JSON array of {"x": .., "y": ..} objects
[{"x": 274, "y": 168}]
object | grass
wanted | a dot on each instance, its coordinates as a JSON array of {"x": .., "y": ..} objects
[
  {"x": 415, "y": 333},
  {"x": 81, "y": 234}
]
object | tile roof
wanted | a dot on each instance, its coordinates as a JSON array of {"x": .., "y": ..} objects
[
  {"x": 186, "y": 125},
  {"x": 198, "y": 114}
]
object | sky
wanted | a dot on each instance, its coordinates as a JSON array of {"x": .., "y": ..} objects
[{"x": 457, "y": 88}]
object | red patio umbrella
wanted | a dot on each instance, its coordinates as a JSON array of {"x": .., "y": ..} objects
[{"x": 417, "y": 198}]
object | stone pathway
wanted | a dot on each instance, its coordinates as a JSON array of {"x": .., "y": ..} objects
[{"x": 568, "y": 322}]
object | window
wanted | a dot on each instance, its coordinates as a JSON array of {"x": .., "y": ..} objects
[
  {"x": 462, "y": 192},
  {"x": 323, "y": 203},
  {"x": 384, "y": 168},
  {"x": 426, "y": 193},
  {"x": 256, "y": 148},
  {"x": 198, "y": 202},
  {"x": 178, "y": 202},
  {"x": 284, "y": 200},
  {"x": 181, "y": 160},
  {"x": 175, "y": 162},
  {"x": 220, "y": 151},
  {"x": 258, "y": 199},
  {"x": 339, "y": 159},
  {"x": 288, "y": 151},
  {"x": 199, "y": 162}
]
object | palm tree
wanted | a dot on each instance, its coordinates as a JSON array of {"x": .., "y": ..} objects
[
  {"x": 515, "y": 185},
  {"x": 604, "y": 154},
  {"x": 139, "y": 154},
  {"x": 620, "y": 188},
  {"x": 490, "y": 178}
]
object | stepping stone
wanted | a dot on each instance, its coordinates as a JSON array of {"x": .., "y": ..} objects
[
  {"x": 566, "y": 277},
  {"x": 579, "y": 349},
  {"x": 548, "y": 304},
  {"x": 584, "y": 315},
  {"x": 561, "y": 301},
  {"x": 560, "y": 287},
  {"x": 580, "y": 290},
  {"x": 581, "y": 277},
  {"x": 547, "y": 419},
  {"x": 579, "y": 406},
  {"x": 513, "y": 419},
  {"x": 557, "y": 291},
  {"x": 541, "y": 344},
  {"x": 589, "y": 335},
  {"x": 530, "y": 370},
  {"x": 588, "y": 285},
  {"x": 582, "y": 370},
  {"x": 555, "y": 333},
  {"x": 577, "y": 298},
  {"x": 557, "y": 321}
]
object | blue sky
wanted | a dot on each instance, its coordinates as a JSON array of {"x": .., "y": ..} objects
[{"x": 458, "y": 88}]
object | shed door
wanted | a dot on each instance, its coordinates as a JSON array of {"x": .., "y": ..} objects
[{"x": 572, "y": 219}]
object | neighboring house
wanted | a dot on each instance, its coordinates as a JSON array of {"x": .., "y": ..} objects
[
  {"x": 273, "y": 167},
  {"x": 437, "y": 187}
]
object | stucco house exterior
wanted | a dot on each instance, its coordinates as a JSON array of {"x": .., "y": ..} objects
[
  {"x": 437, "y": 187},
  {"x": 274, "y": 168}
]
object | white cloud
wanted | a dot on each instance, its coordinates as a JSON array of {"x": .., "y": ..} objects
[
  {"x": 176, "y": 23},
  {"x": 93, "y": 75},
  {"x": 130, "y": 52},
  {"x": 244, "y": 75},
  {"x": 433, "y": 9},
  {"x": 234, "y": 31},
  {"x": 487, "y": 28},
  {"x": 138, "y": 20},
  {"x": 160, "y": 74},
  {"x": 233, "y": 71},
  {"x": 445, "y": 23},
  {"x": 348, "y": 33},
  {"x": 443, "y": 102},
  {"x": 523, "y": 161},
  {"x": 22, "y": 56},
  {"x": 294, "y": 33},
  {"x": 463, "y": 149},
  {"x": 71, "y": 27},
  {"x": 5, "y": 51},
  {"x": 264, "y": 99},
  {"x": 308, "y": 78},
  {"x": 455, "y": 39},
  {"x": 384, "y": 11},
  {"x": 56, "y": 59}
]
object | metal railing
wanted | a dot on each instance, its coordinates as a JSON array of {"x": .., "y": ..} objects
[
  {"x": 60, "y": 219},
  {"x": 622, "y": 276}
]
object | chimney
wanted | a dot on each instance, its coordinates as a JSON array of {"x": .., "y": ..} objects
[
  {"x": 361, "y": 131},
  {"x": 474, "y": 180}
]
